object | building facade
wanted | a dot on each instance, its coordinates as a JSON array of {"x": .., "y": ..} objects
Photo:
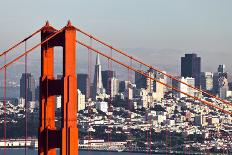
[{"x": 191, "y": 67}]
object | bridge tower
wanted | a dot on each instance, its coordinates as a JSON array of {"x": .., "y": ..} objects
[{"x": 66, "y": 137}]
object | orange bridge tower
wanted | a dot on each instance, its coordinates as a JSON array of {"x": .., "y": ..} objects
[{"x": 66, "y": 137}]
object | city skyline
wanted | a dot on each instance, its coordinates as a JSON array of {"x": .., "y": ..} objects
[
  {"x": 196, "y": 27},
  {"x": 120, "y": 76}
]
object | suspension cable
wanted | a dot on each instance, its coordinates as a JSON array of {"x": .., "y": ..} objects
[
  {"x": 153, "y": 68},
  {"x": 26, "y": 100},
  {"x": 89, "y": 81},
  {"x": 5, "y": 106},
  {"x": 210, "y": 104},
  {"x": 30, "y": 50},
  {"x": 19, "y": 43}
]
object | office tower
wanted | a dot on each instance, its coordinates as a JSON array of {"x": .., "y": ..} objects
[
  {"x": 113, "y": 86},
  {"x": 184, "y": 88},
  {"x": 223, "y": 87},
  {"x": 158, "y": 88},
  {"x": 107, "y": 74},
  {"x": 190, "y": 81},
  {"x": 27, "y": 85},
  {"x": 164, "y": 79},
  {"x": 207, "y": 81},
  {"x": 220, "y": 74},
  {"x": 221, "y": 71},
  {"x": 80, "y": 100},
  {"x": 123, "y": 86},
  {"x": 97, "y": 83},
  {"x": 83, "y": 84},
  {"x": 221, "y": 68},
  {"x": 140, "y": 80},
  {"x": 191, "y": 67},
  {"x": 143, "y": 82},
  {"x": 37, "y": 93},
  {"x": 149, "y": 81}
]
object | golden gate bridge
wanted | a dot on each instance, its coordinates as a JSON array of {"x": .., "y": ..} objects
[{"x": 66, "y": 138}]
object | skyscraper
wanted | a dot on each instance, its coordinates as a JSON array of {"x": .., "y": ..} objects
[
  {"x": 223, "y": 87},
  {"x": 191, "y": 67},
  {"x": 123, "y": 86},
  {"x": 27, "y": 86},
  {"x": 83, "y": 84},
  {"x": 221, "y": 74},
  {"x": 140, "y": 80},
  {"x": 143, "y": 82},
  {"x": 113, "y": 86},
  {"x": 207, "y": 81},
  {"x": 221, "y": 68},
  {"x": 97, "y": 83},
  {"x": 184, "y": 88},
  {"x": 106, "y": 75}
]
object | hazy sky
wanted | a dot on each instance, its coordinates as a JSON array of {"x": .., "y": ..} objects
[{"x": 149, "y": 29}]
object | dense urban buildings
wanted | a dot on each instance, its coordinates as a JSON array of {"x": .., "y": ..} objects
[{"x": 130, "y": 110}]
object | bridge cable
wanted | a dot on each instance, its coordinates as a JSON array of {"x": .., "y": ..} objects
[
  {"x": 19, "y": 43},
  {"x": 30, "y": 50},
  {"x": 5, "y": 105},
  {"x": 89, "y": 81},
  {"x": 26, "y": 97}
]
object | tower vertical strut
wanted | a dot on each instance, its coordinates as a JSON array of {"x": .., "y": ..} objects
[{"x": 50, "y": 137}]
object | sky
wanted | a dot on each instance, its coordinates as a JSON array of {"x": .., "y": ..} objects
[{"x": 158, "y": 32}]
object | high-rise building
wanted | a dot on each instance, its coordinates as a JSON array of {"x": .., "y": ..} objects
[
  {"x": 123, "y": 86},
  {"x": 106, "y": 75},
  {"x": 164, "y": 79},
  {"x": 140, "y": 80},
  {"x": 191, "y": 67},
  {"x": 221, "y": 68},
  {"x": 113, "y": 86},
  {"x": 220, "y": 74},
  {"x": 143, "y": 82},
  {"x": 223, "y": 87},
  {"x": 149, "y": 81},
  {"x": 184, "y": 88},
  {"x": 159, "y": 89},
  {"x": 83, "y": 84},
  {"x": 37, "y": 93},
  {"x": 97, "y": 83},
  {"x": 207, "y": 81},
  {"x": 80, "y": 100},
  {"x": 27, "y": 86}
]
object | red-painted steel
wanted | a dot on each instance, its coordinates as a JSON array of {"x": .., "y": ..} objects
[
  {"x": 19, "y": 43},
  {"x": 65, "y": 138},
  {"x": 25, "y": 151},
  {"x": 30, "y": 50},
  {"x": 49, "y": 136},
  {"x": 5, "y": 106}
]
